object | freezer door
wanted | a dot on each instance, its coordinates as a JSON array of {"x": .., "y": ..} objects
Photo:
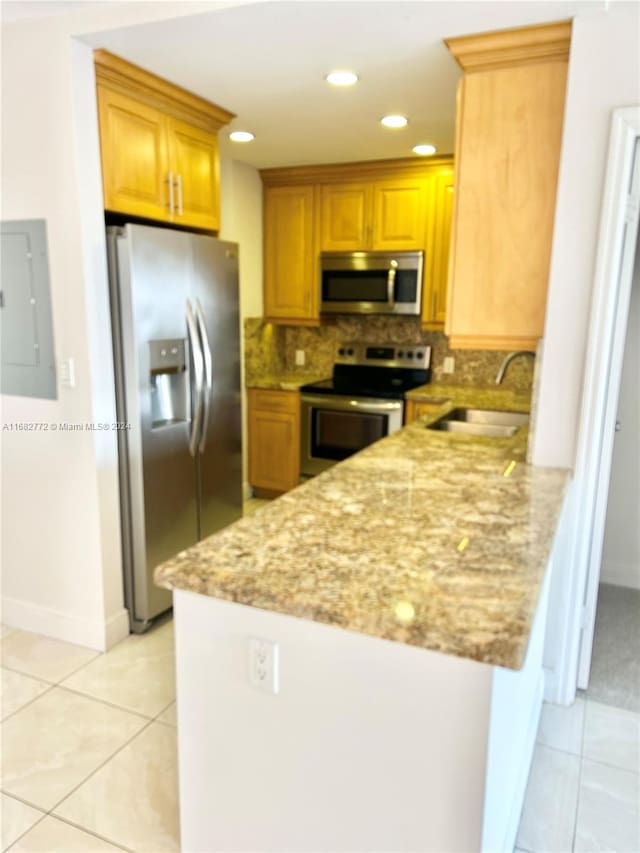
[
  {"x": 159, "y": 360},
  {"x": 215, "y": 295}
]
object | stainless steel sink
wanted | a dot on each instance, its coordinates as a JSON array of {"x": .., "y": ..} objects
[{"x": 497, "y": 424}]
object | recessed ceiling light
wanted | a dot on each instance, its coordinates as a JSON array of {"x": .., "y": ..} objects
[
  {"x": 394, "y": 121},
  {"x": 241, "y": 136},
  {"x": 341, "y": 78},
  {"x": 424, "y": 150}
]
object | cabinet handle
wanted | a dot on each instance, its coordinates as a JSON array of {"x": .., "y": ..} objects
[
  {"x": 170, "y": 182},
  {"x": 179, "y": 188}
]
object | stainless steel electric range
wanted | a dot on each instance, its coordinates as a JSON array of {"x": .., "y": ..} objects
[{"x": 361, "y": 403}]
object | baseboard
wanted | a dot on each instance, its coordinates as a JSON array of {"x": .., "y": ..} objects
[
  {"x": 100, "y": 636},
  {"x": 620, "y": 574},
  {"x": 117, "y": 628}
]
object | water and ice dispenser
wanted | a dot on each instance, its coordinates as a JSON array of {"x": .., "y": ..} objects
[{"x": 169, "y": 379}]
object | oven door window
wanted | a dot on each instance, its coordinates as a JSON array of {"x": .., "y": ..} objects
[{"x": 336, "y": 435}]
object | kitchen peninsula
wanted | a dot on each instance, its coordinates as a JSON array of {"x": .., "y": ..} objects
[{"x": 406, "y": 590}]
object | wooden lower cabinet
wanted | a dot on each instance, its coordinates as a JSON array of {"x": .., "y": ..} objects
[
  {"x": 416, "y": 410},
  {"x": 274, "y": 441}
]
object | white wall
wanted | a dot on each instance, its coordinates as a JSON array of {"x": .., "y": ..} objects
[
  {"x": 621, "y": 550},
  {"x": 241, "y": 217},
  {"x": 61, "y": 572},
  {"x": 369, "y": 744},
  {"x": 604, "y": 73}
]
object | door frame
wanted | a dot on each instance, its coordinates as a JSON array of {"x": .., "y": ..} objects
[{"x": 601, "y": 387}]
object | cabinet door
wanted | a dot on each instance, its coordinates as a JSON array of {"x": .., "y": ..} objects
[
  {"x": 399, "y": 215},
  {"x": 134, "y": 157},
  {"x": 507, "y": 156},
  {"x": 434, "y": 306},
  {"x": 345, "y": 217},
  {"x": 193, "y": 154},
  {"x": 274, "y": 441},
  {"x": 416, "y": 410},
  {"x": 290, "y": 268}
]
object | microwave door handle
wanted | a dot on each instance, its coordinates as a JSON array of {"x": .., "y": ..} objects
[
  {"x": 391, "y": 285},
  {"x": 198, "y": 370}
]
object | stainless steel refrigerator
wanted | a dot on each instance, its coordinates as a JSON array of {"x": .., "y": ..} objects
[{"x": 175, "y": 320}]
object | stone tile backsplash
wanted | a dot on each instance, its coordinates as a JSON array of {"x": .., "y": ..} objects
[{"x": 271, "y": 349}]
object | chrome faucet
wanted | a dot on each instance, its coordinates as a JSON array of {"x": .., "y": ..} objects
[{"x": 507, "y": 362}]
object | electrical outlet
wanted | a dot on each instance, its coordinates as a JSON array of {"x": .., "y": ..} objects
[
  {"x": 449, "y": 364},
  {"x": 300, "y": 358},
  {"x": 264, "y": 670}
]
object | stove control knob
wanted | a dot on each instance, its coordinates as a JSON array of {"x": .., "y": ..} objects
[
  {"x": 400, "y": 354},
  {"x": 409, "y": 354},
  {"x": 349, "y": 352},
  {"x": 419, "y": 355},
  {"x": 341, "y": 351}
]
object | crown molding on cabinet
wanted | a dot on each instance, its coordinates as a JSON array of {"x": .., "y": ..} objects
[
  {"x": 409, "y": 167},
  {"x": 132, "y": 81},
  {"x": 521, "y": 46}
]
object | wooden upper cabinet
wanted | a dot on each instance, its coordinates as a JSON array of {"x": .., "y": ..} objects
[
  {"x": 383, "y": 205},
  {"x": 159, "y": 146},
  {"x": 378, "y": 215},
  {"x": 434, "y": 304},
  {"x": 290, "y": 275},
  {"x": 194, "y": 158},
  {"x": 345, "y": 217},
  {"x": 137, "y": 183},
  {"x": 399, "y": 215},
  {"x": 510, "y": 116}
]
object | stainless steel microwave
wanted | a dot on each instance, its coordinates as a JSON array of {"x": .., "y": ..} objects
[{"x": 371, "y": 283}]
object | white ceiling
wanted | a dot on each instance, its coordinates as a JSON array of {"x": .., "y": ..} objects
[
  {"x": 266, "y": 63},
  {"x": 18, "y": 10}
]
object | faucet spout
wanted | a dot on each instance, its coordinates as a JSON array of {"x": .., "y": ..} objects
[{"x": 507, "y": 362}]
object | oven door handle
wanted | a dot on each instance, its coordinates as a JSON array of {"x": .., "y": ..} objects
[{"x": 346, "y": 403}]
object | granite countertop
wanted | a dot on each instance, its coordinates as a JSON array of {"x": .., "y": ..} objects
[
  {"x": 464, "y": 395},
  {"x": 432, "y": 539},
  {"x": 283, "y": 381}
]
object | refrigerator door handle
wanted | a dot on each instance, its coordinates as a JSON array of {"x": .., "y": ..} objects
[
  {"x": 208, "y": 373},
  {"x": 198, "y": 369}
]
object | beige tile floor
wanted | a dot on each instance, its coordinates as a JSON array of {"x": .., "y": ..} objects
[
  {"x": 88, "y": 759},
  {"x": 584, "y": 786},
  {"x": 89, "y": 756}
]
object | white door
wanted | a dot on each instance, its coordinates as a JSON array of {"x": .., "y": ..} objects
[{"x": 603, "y": 376}]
